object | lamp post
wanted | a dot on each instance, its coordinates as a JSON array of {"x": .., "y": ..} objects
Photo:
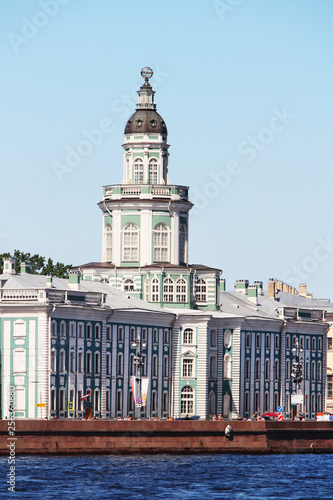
[
  {"x": 138, "y": 344},
  {"x": 297, "y": 371}
]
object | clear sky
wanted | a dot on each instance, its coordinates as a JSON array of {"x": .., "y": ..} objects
[{"x": 245, "y": 88}]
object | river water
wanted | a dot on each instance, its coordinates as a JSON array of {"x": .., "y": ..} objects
[{"x": 170, "y": 477}]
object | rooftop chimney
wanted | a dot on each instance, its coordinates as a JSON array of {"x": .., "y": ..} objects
[
  {"x": 271, "y": 289},
  {"x": 9, "y": 265},
  {"x": 25, "y": 268},
  {"x": 74, "y": 280},
  {"x": 242, "y": 286},
  {"x": 302, "y": 290},
  {"x": 253, "y": 294}
]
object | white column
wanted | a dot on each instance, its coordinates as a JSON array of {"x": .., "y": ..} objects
[
  {"x": 116, "y": 237},
  {"x": 175, "y": 238},
  {"x": 146, "y": 238}
]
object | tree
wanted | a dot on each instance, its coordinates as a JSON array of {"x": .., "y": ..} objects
[{"x": 39, "y": 265}]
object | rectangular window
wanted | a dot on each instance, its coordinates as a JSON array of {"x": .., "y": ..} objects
[
  {"x": 166, "y": 336},
  {"x": 121, "y": 334},
  {"x": 53, "y": 400},
  {"x": 88, "y": 363},
  {"x": 120, "y": 364},
  {"x": 72, "y": 361},
  {"x": 329, "y": 343},
  {"x": 97, "y": 332},
  {"x": 80, "y": 362},
  {"x": 63, "y": 329},
  {"x": 108, "y": 332},
  {"x": 165, "y": 366},
  {"x": 187, "y": 368},
  {"x": 330, "y": 386},
  {"x": 96, "y": 400},
  {"x": 72, "y": 330},
  {"x": 165, "y": 401},
  {"x": 288, "y": 342},
  {"x": 62, "y": 399},
  {"x": 133, "y": 337},
  {"x": 154, "y": 401},
  {"x": 107, "y": 397},
  {"x": 62, "y": 364},
  {"x": 212, "y": 367},
  {"x": 154, "y": 366},
  {"x": 53, "y": 361},
  {"x": 155, "y": 335},
  {"x": 108, "y": 364},
  {"x": 258, "y": 340},
  {"x": 248, "y": 340},
  {"x": 119, "y": 400},
  {"x": 89, "y": 331},
  {"x": 97, "y": 363},
  {"x": 79, "y": 402},
  {"x": 71, "y": 396},
  {"x": 80, "y": 331}
]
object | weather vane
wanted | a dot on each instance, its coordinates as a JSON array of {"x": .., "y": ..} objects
[{"x": 147, "y": 73}]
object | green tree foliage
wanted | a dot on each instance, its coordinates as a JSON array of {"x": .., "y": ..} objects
[{"x": 39, "y": 265}]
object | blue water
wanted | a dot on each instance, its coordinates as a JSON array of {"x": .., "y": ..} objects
[{"x": 167, "y": 477}]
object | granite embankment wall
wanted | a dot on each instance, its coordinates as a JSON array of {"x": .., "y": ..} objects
[{"x": 184, "y": 436}]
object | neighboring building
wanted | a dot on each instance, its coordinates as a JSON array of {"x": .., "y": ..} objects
[
  {"x": 62, "y": 339},
  {"x": 205, "y": 351}
]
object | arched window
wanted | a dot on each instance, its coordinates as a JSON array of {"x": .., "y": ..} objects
[
  {"x": 211, "y": 403},
  {"x": 313, "y": 370},
  {"x": 182, "y": 243},
  {"x": 188, "y": 336},
  {"x": 227, "y": 366},
  {"x": 128, "y": 285},
  {"x": 213, "y": 338},
  {"x": 130, "y": 243},
  {"x": 288, "y": 368},
  {"x": 266, "y": 401},
  {"x": 153, "y": 172},
  {"x": 226, "y": 406},
  {"x": 319, "y": 371},
  {"x": 319, "y": 408},
  {"x": 227, "y": 338},
  {"x": 161, "y": 243},
  {"x": 257, "y": 368},
  {"x": 319, "y": 344},
  {"x": 267, "y": 369},
  {"x": 187, "y": 401},
  {"x": 155, "y": 290},
  {"x": 313, "y": 403},
  {"x": 138, "y": 171},
  {"x": 276, "y": 369},
  {"x": 108, "y": 243},
  {"x": 181, "y": 290},
  {"x": 212, "y": 367},
  {"x": 168, "y": 286},
  {"x": 201, "y": 290}
]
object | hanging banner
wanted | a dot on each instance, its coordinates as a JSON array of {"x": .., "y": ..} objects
[
  {"x": 144, "y": 389},
  {"x": 134, "y": 386}
]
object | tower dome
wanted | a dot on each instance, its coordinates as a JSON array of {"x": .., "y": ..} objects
[{"x": 146, "y": 119}]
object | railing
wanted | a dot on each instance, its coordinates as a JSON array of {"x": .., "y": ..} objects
[
  {"x": 161, "y": 191},
  {"x": 130, "y": 191},
  {"x": 19, "y": 295}
]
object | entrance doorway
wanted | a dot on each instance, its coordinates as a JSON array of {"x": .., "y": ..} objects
[{"x": 88, "y": 413}]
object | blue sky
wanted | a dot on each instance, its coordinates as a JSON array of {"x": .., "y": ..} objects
[{"x": 245, "y": 88}]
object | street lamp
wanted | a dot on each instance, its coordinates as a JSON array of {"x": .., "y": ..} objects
[
  {"x": 138, "y": 344},
  {"x": 297, "y": 369}
]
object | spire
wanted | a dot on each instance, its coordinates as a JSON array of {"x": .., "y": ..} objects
[{"x": 146, "y": 93}]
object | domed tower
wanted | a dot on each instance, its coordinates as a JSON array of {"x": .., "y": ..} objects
[
  {"x": 146, "y": 148},
  {"x": 145, "y": 218}
]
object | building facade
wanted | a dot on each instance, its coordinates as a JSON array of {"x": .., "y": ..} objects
[{"x": 145, "y": 312}]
